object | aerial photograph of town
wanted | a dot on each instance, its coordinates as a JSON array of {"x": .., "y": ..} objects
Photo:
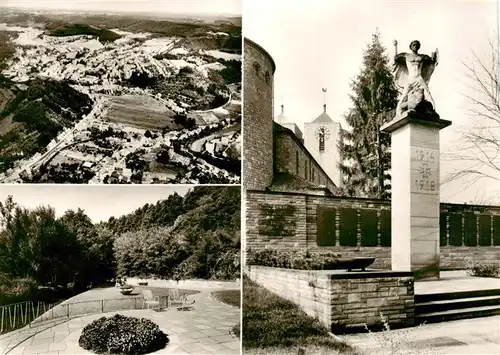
[{"x": 89, "y": 97}]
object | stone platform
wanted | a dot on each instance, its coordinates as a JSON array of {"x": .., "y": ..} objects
[
  {"x": 456, "y": 296},
  {"x": 456, "y": 281}
]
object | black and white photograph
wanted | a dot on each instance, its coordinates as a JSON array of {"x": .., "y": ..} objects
[
  {"x": 371, "y": 177},
  {"x": 118, "y": 92},
  {"x": 119, "y": 269},
  {"x": 250, "y": 177}
]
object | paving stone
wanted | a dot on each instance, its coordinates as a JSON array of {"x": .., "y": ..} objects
[
  {"x": 188, "y": 340},
  {"x": 194, "y": 348},
  {"x": 213, "y": 348},
  {"x": 47, "y": 334},
  {"x": 223, "y": 338},
  {"x": 229, "y": 351},
  {"x": 235, "y": 345},
  {"x": 59, "y": 338},
  {"x": 213, "y": 333},
  {"x": 196, "y": 334},
  {"x": 17, "y": 350},
  {"x": 438, "y": 342},
  {"x": 57, "y": 347},
  {"x": 36, "y": 349},
  {"x": 209, "y": 341},
  {"x": 35, "y": 341}
]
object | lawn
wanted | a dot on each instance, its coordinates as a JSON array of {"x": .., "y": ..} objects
[
  {"x": 230, "y": 297},
  {"x": 272, "y": 325}
]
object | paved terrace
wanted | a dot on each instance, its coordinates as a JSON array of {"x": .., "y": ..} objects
[
  {"x": 478, "y": 336},
  {"x": 456, "y": 281},
  {"x": 206, "y": 329},
  {"x": 469, "y": 336}
]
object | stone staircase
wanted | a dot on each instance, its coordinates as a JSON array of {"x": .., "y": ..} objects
[{"x": 440, "y": 307}]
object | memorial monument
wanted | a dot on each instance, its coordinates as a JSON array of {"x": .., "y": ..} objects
[{"x": 415, "y": 166}]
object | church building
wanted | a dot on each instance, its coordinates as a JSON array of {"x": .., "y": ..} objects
[{"x": 275, "y": 151}]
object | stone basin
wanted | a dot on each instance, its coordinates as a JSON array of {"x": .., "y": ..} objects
[
  {"x": 126, "y": 291},
  {"x": 354, "y": 263}
]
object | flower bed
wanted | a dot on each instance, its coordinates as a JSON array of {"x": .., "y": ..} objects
[
  {"x": 307, "y": 260},
  {"x": 300, "y": 259},
  {"x": 483, "y": 269},
  {"x": 122, "y": 335}
]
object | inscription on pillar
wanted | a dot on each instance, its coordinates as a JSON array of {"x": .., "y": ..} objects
[{"x": 424, "y": 170}]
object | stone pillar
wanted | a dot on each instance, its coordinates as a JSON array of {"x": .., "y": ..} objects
[{"x": 415, "y": 193}]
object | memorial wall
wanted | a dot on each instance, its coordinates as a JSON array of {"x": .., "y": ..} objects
[{"x": 362, "y": 227}]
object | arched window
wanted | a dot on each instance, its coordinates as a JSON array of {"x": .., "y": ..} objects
[
  {"x": 268, "y": 78},
  {"x": 256, "y": 67},
  {"x": 322, "y": 142}
]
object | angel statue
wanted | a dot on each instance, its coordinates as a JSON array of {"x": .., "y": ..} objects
[{"x": 412, "y": 72}]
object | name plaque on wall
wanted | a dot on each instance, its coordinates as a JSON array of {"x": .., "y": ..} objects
[
  {"x": 277, "y": 220},
  {"x": 424, "y": 170}
]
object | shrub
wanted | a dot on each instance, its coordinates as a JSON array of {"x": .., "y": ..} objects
[
  {"x": 296, "y": 259},
  {"x": 16, "y": 290},
  {"x": 122, "y": 335},
  {"x": 232, "y": 71},
  {"x": 186, "y": 70},
  {"x": 483, "y": 269}
]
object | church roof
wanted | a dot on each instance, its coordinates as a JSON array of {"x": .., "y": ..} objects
[
  {"x": 323, "y": 118},
  {"x": 287, "y": 182}
]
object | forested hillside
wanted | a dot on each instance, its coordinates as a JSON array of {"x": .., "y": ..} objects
[
  {"x": 31, "y": 115},
  {"x": 197, "y": 236}
]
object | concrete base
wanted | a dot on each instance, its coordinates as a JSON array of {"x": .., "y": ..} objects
[{"x": 415, "y": 194}]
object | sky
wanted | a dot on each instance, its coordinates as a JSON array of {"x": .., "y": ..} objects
[
  {"x": 319, "y": 44},
  {"x": 98, "y": 201},
  {"x": 208, "y": 7}
]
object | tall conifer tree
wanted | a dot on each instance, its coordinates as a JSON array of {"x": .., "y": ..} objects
[{"x": 364, "y": 150}]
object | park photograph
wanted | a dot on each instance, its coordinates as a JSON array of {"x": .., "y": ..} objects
[
  {"x": 119, "y": 270},
  {"x": 370, "y": 178}
]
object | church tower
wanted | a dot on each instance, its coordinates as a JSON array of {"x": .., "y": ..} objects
[
  {"x": 283, "y": 120},
  {"x": 321, "y": 137}
]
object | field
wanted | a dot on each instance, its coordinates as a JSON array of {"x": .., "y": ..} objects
[{"x": 140, "y": 111}]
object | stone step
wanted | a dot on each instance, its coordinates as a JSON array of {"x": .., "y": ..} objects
[
  {"x": 422, "y": 298},
  {"x": 454, "y": 314},
  {"x": 460, "y": 303}
]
